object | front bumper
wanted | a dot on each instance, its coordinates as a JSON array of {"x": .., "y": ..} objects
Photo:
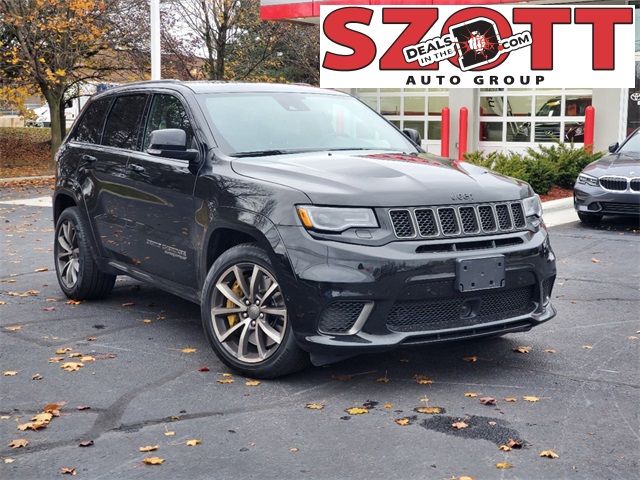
[
  {"x": 596, "y": 200},
  {"x": 396, "y": 296}
]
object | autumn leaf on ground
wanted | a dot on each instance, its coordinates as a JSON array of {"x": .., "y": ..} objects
[
  {"x": 549, "y": 454},
  {"x": 459, "y": 425},
  {"x": 13, "y": 328},
  {"x": 9, "y": 460},
  {"x": 87, "y": 359},
  {"x": 67, "y": 470},
  {"x": 470, "y": 394},
  {"x": 531, "y": 398},
  {"x": 471, "y": 359},
  {"x": 153, "y": 460},
  {"x": 505, "y": 448},
  {"x": 225, "y": 380},
  {"x": 388, "y": 406},
  {"x": 203, "y": 369},
  {"x": 147, "y": 321},
  {"x": 510, "y": 399},
  {"x": 169, "y": 433},
  {"x": 73, "y": 302},
  {"x": 86, "y": 443},
  {"x": 72, "y": 366},
  {"x": 514, "y": 443},
  {"x": 587, "y": 347},
  {"x": 53, "y": 408},
  {"x": 503, "y": 465},
  {"x": 9, "y": 373},
  {"x": 41, "y": 269},
  {"x": 31, "y": 426},
  {"x": 19, "y": 443},
  {"x": 74, "y": 355},
  {"x": 465, "y": 477},
  {"x": 44, "y": 417},
  {"x": 488, "y": 401},
  {"x": 384, "y": 379},
  {"x": 403, "y": 422},
  {"x": 83, "y": 407},
  {"x": 36, "y": 376},
  {"x": 193, "y": 442},
  {"x": 149, "y": 448},
  {"x": 314, "y": 406},
  {"x": 595, "y": 260},
  {"x": 63, "y": 350},
  {"x": 550, "y": 350},
  {"x": 423, "y": 380},
  {"x": 251, "y": 383},
  {"x": 522, "y": 349},
  {"x": 357, "y": 410},
  {"x": 429, "y": 410},
  {"x": 91, "y": 339},
  {"x": 189, "y": 350},
  {"x": 56, "y": 359}
]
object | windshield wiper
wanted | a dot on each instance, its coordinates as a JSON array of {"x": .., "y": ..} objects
[{"x": 261, "y": 153}]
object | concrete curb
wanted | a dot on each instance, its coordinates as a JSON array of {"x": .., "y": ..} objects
[
  {"x": 559, "y": 204},
  {"x": 22, "y": 179}
]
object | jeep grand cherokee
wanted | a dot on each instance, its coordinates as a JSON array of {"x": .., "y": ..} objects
[{"x": 305, "y": 224}]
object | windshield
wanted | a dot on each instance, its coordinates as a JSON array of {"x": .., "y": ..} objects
[
  {"x": 631, "y": 145},
  {"x": 269, "y": 123}
]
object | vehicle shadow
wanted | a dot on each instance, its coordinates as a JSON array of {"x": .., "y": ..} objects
[{"x": 614, "y": 223}]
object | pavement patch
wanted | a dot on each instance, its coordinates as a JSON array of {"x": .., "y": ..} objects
[{"x": 491, "y": 429}]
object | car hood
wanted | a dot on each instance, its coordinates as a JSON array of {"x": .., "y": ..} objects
[
  {"x": 382, "y": 179},
  {"x": 621, "y": 164}
]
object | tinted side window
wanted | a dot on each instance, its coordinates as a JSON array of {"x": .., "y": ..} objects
[
  {"x": 167, "y": 112},
  {"x": 90, "y": 125},
  {"x": 123, "y": 123}
]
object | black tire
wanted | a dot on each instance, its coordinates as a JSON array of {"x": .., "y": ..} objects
[
  {"x": 287, "y": 357},
  {"x": 589, "y": 218},
  {"x": 89, "y": 282}
]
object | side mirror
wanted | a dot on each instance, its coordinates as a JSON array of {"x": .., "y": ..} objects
[
  {"x": 413, "y": 135},
  {"x": 171, "y": 143},
  {"x": 613, "y": 147}
]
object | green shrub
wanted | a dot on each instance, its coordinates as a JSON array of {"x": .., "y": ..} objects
[{"x": 557, "y": 164}]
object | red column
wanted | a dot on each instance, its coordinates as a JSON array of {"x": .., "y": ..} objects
[
  {"x": 444, "y": 133},
  {"x": 462, "y": 132},
  {"x": 589, "y": 119}
]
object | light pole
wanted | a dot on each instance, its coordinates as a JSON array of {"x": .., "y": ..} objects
[{"x": 155, "y": 40}]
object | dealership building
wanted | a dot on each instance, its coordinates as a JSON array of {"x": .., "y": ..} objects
[{"x": 501, "y": 119}]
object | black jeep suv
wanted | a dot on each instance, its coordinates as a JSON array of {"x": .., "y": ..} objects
[{"x": 303, "y": 223}]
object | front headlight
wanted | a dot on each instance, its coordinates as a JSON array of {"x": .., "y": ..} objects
[
  {"x": 532, "y": 206},
  {"x": 332, "y": 219},
  {"x": 584, "y": 179}
]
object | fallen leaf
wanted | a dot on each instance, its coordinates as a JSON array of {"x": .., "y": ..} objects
[
  {"x": 9, "y": 460},
  {"x": 169, "y": 434},
  {"x": 503, "y": 465},
  {"x": 10, "y": 373},
  {"x": 44, "y": 417},
  {"x": 429, "y": 410},
  {"x": 146, "y": 320},
  {"x": 63, "y": 350},
  {"x": 225, "y": 380},
  {"x": 251, "y": 383},
  {"x": 632, "y": 337},
  {"x": 189, "y": 350},
  {"x": 53, "y": 408},
  {"x": 72, "y": 366},
  {"x": 522, "y": 349},
  {"x": 153, "y": 460},
  {"x": 314, "y": 406},
  {"x": 73, "y": 302},
  {"x": 505, "y": 448},
  {"x": 49, "y": 309},
  {"x": 595, "y": 260},
  {"x": 471, "y": 359},
  {"x": 357, "y": 411},
  {"x": 384, "y": 379},
  {"x": 465, "y": 477},
  {"x": 36, "y": 376},
  {"x": 388, "y": 406},
  {"x": 423, "y": 380},
  {"x": 517, "y": 444},
  {"x": 549, "y": 454},
  {"x": 510, "y": 399},
  {"x": 294, "y": 450},
  {"x": 56, "y": 359},
  {"x": 74, "y": 355},
  {"x": 193, "y": 442},
  {"x": 459, "y": 425},
  {"x": 31, "y": 426},
  {"x": 91, "y": 339},
  {"x": 492, "y": 423},
  {"x": 203, "y": 369},
  {"x": 67, "y": 470},
  {"x": 550, "y": 350},
  {"x": 471, "y": 394},
  {"x": 86, "y": 443},
  {"x": 530, "y": 398},
  {"x": 19, "y": 443},
  {"x": 403, "y": 422},
  {"x": 13, "y": 328},
  {"x": 587, "y": 347},
  {"x": 83, "y": 407},
  {"x": 149, "y": 448},
  {"x": 87, "y": 359},
  {"x": 488, "y": 401}
]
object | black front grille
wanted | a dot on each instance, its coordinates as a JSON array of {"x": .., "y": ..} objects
[
  {"x": 448, "y": 221},
  {"x": 402, "y": 224},
  {"x": 339, "y": 317},
  {"x": 504, "y": 220},
  {"x": 617, "y": 207},
  {"x": 635, "y": 184},
  {"x": 518, "y": 215},
  {"x": 460, "y": 310},
  {"x": 426, "y": 222},
  {"x": 614, "y": 183},
  {"x": 469, "y": 220},
  {"x": 487, "y": 218}
]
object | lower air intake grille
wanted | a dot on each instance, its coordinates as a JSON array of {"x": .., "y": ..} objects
[
  {"x": 339, "y": 317},
  {"x": 451, "y": 312},
  {"x": 616, "y": 207}
]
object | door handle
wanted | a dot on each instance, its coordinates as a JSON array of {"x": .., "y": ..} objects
[
  {"x": 89, "y": 158},
  {"x": 136, "y": 168}
]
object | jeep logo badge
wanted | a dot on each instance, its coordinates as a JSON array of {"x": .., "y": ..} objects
[{"x": 461, "y": 196}]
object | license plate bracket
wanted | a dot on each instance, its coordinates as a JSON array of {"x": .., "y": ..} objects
[{"x": 480, "y": 273}]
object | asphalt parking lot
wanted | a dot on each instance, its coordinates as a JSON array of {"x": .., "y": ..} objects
[{"x": 151, "y": 380}]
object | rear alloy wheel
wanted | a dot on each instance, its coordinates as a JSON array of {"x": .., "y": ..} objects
[{"x": 245, "y": 315}]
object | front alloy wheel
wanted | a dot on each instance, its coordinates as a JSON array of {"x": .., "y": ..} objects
[
  {"x": 248, "y": 312},
  {"x": 67, "y": 254}
]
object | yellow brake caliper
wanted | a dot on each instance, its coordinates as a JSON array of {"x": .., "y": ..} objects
[{"x": 232, "y": 318}]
